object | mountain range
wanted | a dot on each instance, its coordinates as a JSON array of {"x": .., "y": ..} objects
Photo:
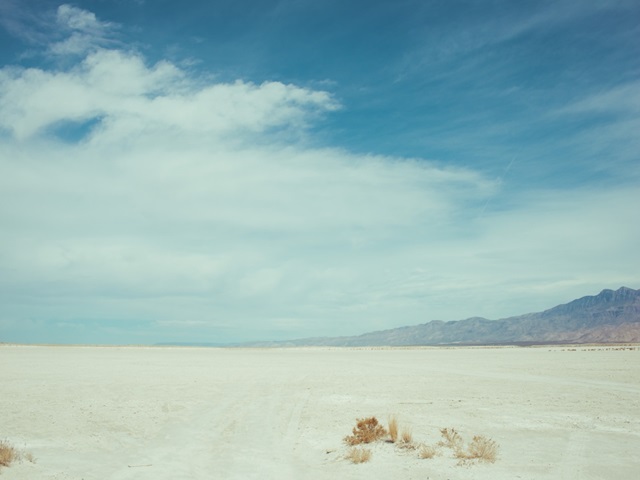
[{"x": 608, "y": 317}]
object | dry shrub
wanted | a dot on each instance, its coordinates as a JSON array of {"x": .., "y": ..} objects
[
  {"x": 8, "y": 453},
  {"x": 427, "y": 451},
  {"x": 359, "y": 455},
  {"x": 451, "y": 439},
  {"x": 481, "y": 448},
  {"x": 406, "y": 440},
  {"x": 407, "y": 436},
  {"x": 393, "y": 429},
  {"x": 367, "y": 430}
]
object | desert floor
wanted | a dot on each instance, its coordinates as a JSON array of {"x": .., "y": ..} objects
[{"x": 89, "y": 413}]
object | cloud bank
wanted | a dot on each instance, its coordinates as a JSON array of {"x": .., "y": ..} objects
[{"x": 143, "y": 202}]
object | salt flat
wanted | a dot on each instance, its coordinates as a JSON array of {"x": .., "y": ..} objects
[{"x": 188, "y": 413}]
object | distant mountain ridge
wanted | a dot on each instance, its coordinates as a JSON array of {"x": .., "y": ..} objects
[{"x": 612, "y": 316}]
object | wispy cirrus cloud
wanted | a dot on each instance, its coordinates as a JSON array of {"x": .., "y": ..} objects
[
  {"x": 619, "y": 99},
  {"x": 67, "y": 31},
  {"x": 612, "y": 118},
  {"x": 84, "y": 31},
  {"x": 27, "y": 24},
  {"x": 471, "y": 35}
]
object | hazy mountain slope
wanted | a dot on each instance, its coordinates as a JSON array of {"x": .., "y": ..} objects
[{"x": 609, "y": 317}]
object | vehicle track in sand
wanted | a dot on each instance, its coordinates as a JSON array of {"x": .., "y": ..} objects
[{"x": 241, "y": 437}]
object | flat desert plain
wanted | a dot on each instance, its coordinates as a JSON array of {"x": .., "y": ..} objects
[{"x": 96, "y": 413}]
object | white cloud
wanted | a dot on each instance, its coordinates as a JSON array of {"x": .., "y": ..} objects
[
  {"x": 240, "y": 237},
  {"x": 198, "y": 206},
  {"x": 86, "y": 32},
  {"x": 74, "y": 18},
  {"x": 70, "y": 31},
  {"x": 131, "y": 98},
  {"x": 186, "y": 191}
]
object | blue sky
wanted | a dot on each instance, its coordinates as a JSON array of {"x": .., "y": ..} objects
[{"x": 224, "y": 171}]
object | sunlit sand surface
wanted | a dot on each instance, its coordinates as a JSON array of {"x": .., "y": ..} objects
[{"x": 98, "y": 413}]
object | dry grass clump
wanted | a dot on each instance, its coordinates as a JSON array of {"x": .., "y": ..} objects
[
  {"x": 451, "y": 439},
  {"x": 367, "y": 430},
  {"x": 427, "y": 451},
  {"x": 8, "y": 454},
  {"x": 393, "y": 429},
  {"x": 359, "y": 455},
  {"x": 406, "y": 440},
  {"x": 481, "y": 448},
  {"x": 407, "y": 436}
]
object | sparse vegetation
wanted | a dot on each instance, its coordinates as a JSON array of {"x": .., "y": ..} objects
[
  {"x": 451, "y": 439},
  {"x": 427, "y": 451},
  {"x": 8, "y": 453},
  {"x": 406, "y": 440},
  {"x": 481, "y": 448},
  {"x": 359, "y": 455},
  {"x": 367, "y": 430},
  {"x": 407, "y": 436},
  {"x": 393, "y": 429}
]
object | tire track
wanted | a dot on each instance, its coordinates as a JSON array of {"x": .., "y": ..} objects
[{"x": 251, "y": 434}]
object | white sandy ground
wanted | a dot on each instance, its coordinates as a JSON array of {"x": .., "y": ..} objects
[{"x": 91, "y": 413}]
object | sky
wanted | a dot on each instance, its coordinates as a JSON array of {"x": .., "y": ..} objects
[{"x": 240, "y": 170}]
